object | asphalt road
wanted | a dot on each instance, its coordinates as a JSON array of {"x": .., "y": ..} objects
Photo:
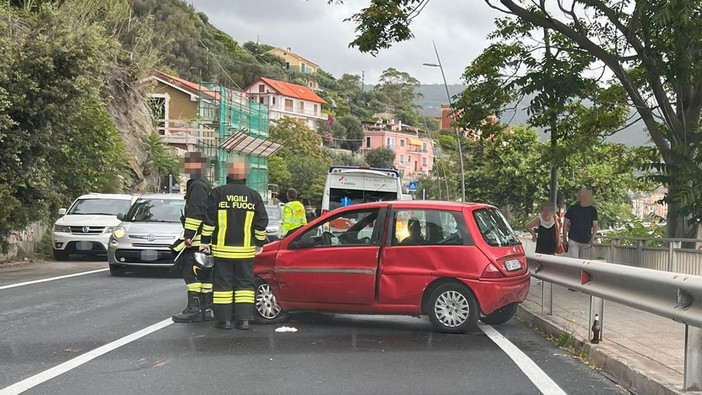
[{"x": 73, "y": 323}]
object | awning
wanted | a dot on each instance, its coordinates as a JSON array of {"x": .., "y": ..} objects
[
  {"x": 415, "y": 142},
  {"x": 245, "y": 144}
]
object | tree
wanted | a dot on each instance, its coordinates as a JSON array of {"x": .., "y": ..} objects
[
  {"x": 296, "y": 138},
  {"x": 398, "y": 87},
  {"x": 653, "y": 50},
  {"x": 353, "y": 136},
  {"x": 381, "y": 157}
]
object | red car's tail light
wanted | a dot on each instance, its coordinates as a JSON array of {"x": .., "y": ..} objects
[{"x": 491, "y": 271}]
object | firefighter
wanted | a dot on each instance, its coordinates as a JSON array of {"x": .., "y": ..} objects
[
  {"x": 294, "y": 214},
  {"x": 197, "y": 279},
  {"x": 234, "y": 231}
]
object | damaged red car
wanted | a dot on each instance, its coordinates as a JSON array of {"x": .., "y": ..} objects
[{"x": 454, "y": 262}]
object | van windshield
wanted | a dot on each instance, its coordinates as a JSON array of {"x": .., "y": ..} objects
[
  {"x": 354, "y": 196},
  {"x": 494, "y": 228}
]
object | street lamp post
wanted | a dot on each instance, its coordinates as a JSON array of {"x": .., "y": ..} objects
[{"x": 458, "y": 137}]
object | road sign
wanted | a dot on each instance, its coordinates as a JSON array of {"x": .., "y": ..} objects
[{"x": 413, "y": 186}]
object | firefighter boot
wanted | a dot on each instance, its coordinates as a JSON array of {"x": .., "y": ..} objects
[
  {"x": 192, "y": 312},
  {"x": 206, "y": 306},
  {"x": 223, "y": 324},
  {"x": 242, "y": 325}
]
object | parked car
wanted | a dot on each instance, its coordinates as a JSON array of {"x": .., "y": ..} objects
[
  {"x": 147, "y": 230},
  {"x": 86, "y": 226},
  {"x": 455, "y": 262},
  {"x": 275, "y": 220}
]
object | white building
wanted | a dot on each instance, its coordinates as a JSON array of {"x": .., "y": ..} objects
[{"x": 288, "y": 100}]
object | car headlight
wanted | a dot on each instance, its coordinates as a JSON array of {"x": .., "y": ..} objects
[
  {"x": 119, "y": 232},
  {"x": 109, "y": 229},
  {"x": 62, "y": 229}
]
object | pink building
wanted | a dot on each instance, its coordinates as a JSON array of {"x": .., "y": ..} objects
[{"x": 414, "y": 154}]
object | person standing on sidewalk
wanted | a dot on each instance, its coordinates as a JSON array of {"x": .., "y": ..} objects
[
  {"x": 198, "y": 281},
  {"x": 310, "y": 215},
  {"x": 580, "y": 226},
  {"x": 293, "y": 214},
  {"x": 547, "y": 235},
  {"x": 235, "y": 226}
]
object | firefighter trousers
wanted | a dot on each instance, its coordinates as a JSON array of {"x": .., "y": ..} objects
[
  {"x": 197, "y": 279},
  {"x": 233, "y": 289}
]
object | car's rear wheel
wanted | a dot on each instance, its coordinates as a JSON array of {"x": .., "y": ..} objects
[
  {"x": 118, "y": 270},
  {"x": 61, "y": 255},
  {"x": 501, "y": 315},
  {"x": 453, "y": 308},
  {"x": 268, "y": 311}
]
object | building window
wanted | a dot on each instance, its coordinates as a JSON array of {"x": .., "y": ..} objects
[
  {"x": 302, "y": 107},
  {"x": 402, "y": 159},
  {"x": 261, "y": 99},
  {"x": 273, "y": 100},
  {"x": 287, "y": 65},
  {"x": 424, "y": 161},
  {"x": 261, "y": 88},
  {"x": 424, "y": 147},
  {"x": 159, "y": 108},
  {"x": 315, "y": 109},
  {"x": 402, "y": 142},
  {"x": 368, "y": 142},
  {"x": 288, "y": 105},
  {"x": 409, "y": 158}
]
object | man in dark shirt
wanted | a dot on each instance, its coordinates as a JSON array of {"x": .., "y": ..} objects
[{"x": 580, "y": 226}]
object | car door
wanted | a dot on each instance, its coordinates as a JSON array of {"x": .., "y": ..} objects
[{"x": 333, "y": 262}]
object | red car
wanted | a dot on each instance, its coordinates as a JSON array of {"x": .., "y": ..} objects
[{"x": 455, "y": 262}]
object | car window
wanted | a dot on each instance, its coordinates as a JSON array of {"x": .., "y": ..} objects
[
  {"x": 156, "y": 210},
  {"x": 274, "y": 213},
  {"x": 428, "y": 227},
  {"x": 494, "y": 228},
  {"x": 354, "y": 228},
  {"x": 99, "y": 207}
]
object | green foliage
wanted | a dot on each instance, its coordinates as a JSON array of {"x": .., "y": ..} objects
[
  {"x": 160, "y": 158},
  {"x": 344, "y": 159},
  {"x": 57, "y": 139},
  {"x": 296, "y": 138},
  {"x": 381, "y": 157},
  {"x": 278, "y": 172}
]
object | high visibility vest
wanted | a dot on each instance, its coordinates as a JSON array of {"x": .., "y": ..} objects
[{"x": 293, "y": 217}]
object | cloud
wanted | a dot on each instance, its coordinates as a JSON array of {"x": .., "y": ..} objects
[{"x": 317, "y": 31}]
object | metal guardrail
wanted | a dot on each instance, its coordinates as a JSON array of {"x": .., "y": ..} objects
[{"x": 672, "y": 295}]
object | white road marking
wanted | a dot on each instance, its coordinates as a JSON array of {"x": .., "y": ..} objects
[
  {"x": 71, "y": 364},
  {"x": 50, "y": 279},
  {"x": 537, "y": 376}
]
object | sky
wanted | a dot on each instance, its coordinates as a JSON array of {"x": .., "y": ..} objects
[{"x": 316, "y": 31}]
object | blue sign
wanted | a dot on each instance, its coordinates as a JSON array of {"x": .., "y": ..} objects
[
  {"x": 413, "y": 185},
  {"x": 345, "y": 201}
]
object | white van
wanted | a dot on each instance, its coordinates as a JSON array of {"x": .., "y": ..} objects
[{"x": 349, "y": 185}]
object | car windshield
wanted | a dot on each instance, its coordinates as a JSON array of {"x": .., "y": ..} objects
[
  {"x": 336, "y": 196},
  {"x": 99, "y": 206},
  {"x": 156, "y": 210},
  {"x": 494, "y": 228},
  {"x": 273, "y": 213}
]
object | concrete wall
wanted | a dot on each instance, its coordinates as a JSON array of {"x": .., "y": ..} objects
[{"x": 23, "y": 243}]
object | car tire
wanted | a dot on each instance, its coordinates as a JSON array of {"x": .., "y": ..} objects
[
  {"x": 61, "y": 255},
  {"x": 266, "y": 308},
  {"x": 453, "y": 308},
  {"x": 501, "y": 315},
  {"x": 118, "y": 270}
]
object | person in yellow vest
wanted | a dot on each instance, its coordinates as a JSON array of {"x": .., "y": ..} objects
[{"x": 293, "y": 214}]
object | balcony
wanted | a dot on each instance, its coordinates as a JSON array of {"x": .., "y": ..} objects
[{"x": 296, "y": 111}]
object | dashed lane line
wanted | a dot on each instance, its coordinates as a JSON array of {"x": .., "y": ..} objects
[
  {"x": 71, "y": 364},
  {"x": 44, "y": 280}
]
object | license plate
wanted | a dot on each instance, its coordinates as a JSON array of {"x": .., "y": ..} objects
[
  {"x": 84, "y": 246},
  {"x": 513, "y": 265},
  {"x": 149, "y": 255}
]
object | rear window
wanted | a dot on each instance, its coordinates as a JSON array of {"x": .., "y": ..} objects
[{"x": 494, "y": 228}]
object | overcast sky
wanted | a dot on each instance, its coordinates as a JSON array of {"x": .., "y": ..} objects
[{"x": 317, "y": 31}]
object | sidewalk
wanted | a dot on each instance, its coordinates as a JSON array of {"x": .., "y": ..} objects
[{"x": 643, "y": 352}]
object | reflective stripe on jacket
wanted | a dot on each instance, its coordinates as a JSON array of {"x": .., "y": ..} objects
[{"x": 293, "y": 217}]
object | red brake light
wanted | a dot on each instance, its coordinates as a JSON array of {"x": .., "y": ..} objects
[{"x": 491, "y": 271}]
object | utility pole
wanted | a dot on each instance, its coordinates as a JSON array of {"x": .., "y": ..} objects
[
  {"x": 458, "y": 137},
  {"x": 363, "y": 81}
]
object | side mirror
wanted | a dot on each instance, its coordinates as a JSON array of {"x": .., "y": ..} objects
[
  {"x": 62, "y": 212},
  {"x": 120, "y": 216}
]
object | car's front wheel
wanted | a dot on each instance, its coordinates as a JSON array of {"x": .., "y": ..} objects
[
  {"x": 118, "y": 270},
  {"x": 453, "y": 308},
  {"x": 61, "y": 255},
  {"x": 501, "y": 315},
  {"x": 268, "y": 311}
]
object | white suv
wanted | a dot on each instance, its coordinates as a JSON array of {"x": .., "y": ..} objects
[{"x": 85, "y": 228}]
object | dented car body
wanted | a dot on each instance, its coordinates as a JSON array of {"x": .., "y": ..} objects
[{"x": 455, "y": 262}]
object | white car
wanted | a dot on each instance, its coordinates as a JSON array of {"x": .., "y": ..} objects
[{"x": 85, "y": 228}]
